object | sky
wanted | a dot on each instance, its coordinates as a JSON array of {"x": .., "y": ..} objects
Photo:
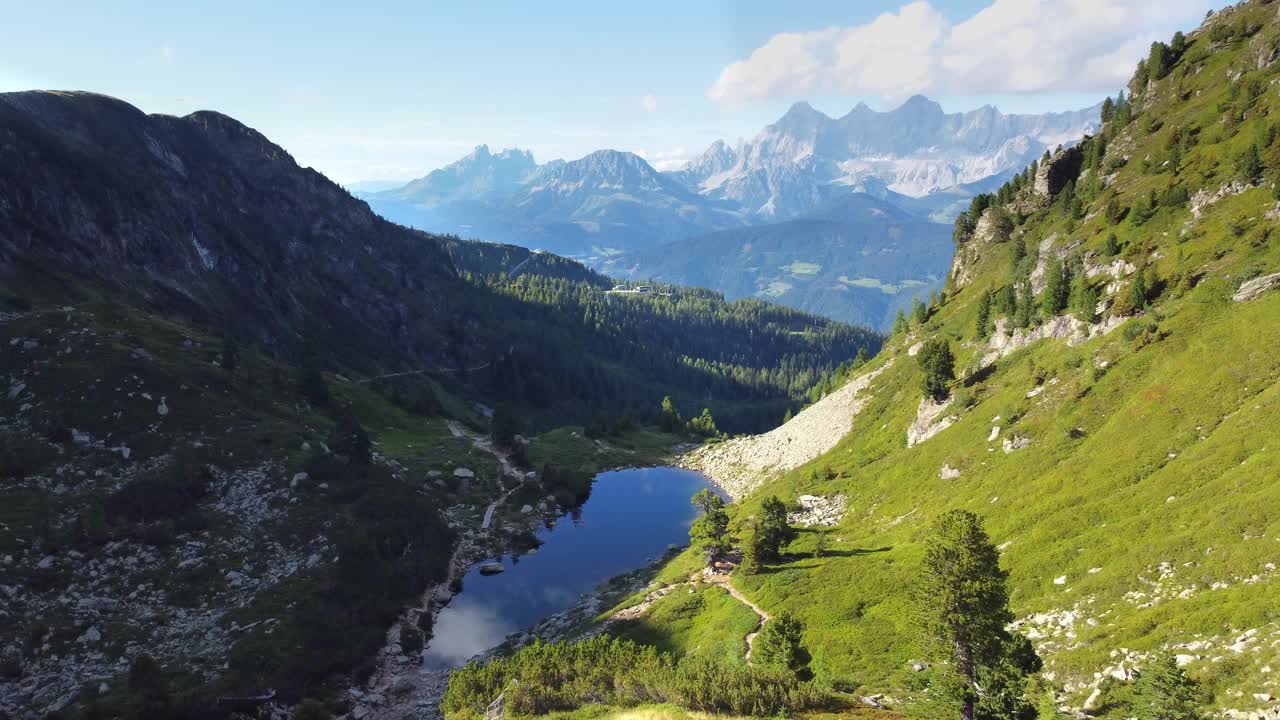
[{"x": 390, "y": 90}]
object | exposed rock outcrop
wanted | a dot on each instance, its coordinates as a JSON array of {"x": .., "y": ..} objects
[
  {"x": 928, "y": 423},
  {"x": 1255, "y": 288},
  {"x": 739, "y": 465},
  {"x": 1063, "y": 327},
  {"x": 1062, "y": 168},
  {"x": 818, "y": 511}
]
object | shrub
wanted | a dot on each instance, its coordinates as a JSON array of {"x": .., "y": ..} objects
[{"x": 542, "y": 678}]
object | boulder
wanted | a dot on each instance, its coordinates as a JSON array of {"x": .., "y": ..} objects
[
  {"x": 1254, "y": 288},
  {"x": 1017, "y": 442},
  {"x": 492, "y": 568},
  {"x": 948, "y": 473},
  {"x": 463, "y": 473}
]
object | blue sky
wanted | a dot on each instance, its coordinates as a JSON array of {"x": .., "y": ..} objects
[{"x": 390, "y": 90}]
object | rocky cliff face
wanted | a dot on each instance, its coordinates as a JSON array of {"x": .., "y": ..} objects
[{"x": 205, "y": 215}]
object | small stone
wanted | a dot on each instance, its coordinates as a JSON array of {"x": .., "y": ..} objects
[
  {"x": 526, "y": 509},
  {"x": 948, "y": 473},
  {"x": 163, "y": 408},
  {"x": 298, "y": 479},
  {"x": 46, "y": 562},
  {"x": 995, "y": 433},
  {"x": 463, "y": 473},
  {"x": 1060, "y": 580}
]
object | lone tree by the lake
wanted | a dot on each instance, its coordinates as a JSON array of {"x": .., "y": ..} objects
[
  {"x": 711, "y": 531},
  {"x": 962, "y": 604}
]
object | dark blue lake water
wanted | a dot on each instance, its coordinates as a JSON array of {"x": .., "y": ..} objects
[{"x": 630, "y": 518}]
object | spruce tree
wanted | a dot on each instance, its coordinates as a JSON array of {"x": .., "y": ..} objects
[
  {"x": 919, "y": 311},
  {"x": 1057, "y": 290},
  {"x": 938, "y": 364},
  {"x": 962, "y": 610},
  {"x": 778, "y": 644},
  {"x": 900, "y": 323},
  {"x": 1025, "y": 311},
  {"x": 1249, "y": 164},
  {"x": 1163, "y": 692},
  {"x": 773, "y": 530},
  {"x": 982, "y": 323},
  {"x": 711, "y": 531}
]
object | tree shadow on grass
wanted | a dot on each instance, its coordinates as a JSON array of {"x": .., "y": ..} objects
[{"x": 788, "y": 561}]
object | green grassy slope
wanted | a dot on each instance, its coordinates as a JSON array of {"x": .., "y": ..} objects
[{"x": 1144, "y": 512}]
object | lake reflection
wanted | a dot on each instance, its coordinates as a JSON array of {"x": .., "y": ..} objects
[{"x": 631, "y": 517}]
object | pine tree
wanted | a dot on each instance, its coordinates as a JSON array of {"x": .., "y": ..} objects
[
  {"x": 668, "y": 416},
  {"x": 982, "y": 323},
  {"x": 704, "y": 425},
  {"x": 1017, "y": 253},
  {"x": 1108, "y": 110},
  {"x": 962, "y": 610},
  {"x": 820, "y": 545},
  {"x": 1140, "y": 289},
  {"x": 773, "y": 530},
  {"x": 900, "y": 323},
  {"x": 711, "y": 531},
  {"x": 938, "y": 363},
  {"x": 1025, "y": 312},
  {"x": 1112, "y": 246},
  {"x": 1249, "y": 164},
  {"x": 919, "y": 311},
  {"x": 1158, "y": 61},
  {"x": 1162, "y": 692},
  {"x": 786, "y": 417},
  {"x": 1084, "y": 298},
  {"x": 1057, "y": 290},
  {"x": 861, "y": 358},
  {"x": 778, "y": 644}
]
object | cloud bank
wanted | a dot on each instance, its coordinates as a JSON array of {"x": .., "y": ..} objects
[{"x": 1011, "y": 46}]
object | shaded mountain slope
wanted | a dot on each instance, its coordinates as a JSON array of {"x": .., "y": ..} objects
[{"x": 858, "y": 259}]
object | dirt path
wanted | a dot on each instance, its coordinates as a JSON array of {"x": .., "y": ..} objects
[{"x": 722, "y": 580}]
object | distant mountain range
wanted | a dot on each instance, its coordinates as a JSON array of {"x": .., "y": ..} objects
[{"x": 613, "y": 210}]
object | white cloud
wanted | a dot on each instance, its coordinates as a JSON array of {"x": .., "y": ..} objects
[
  {"x": 1010, "y": 46},
  {"x": 664, "y": 160},
  {"x": 649, "y": 103}
]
